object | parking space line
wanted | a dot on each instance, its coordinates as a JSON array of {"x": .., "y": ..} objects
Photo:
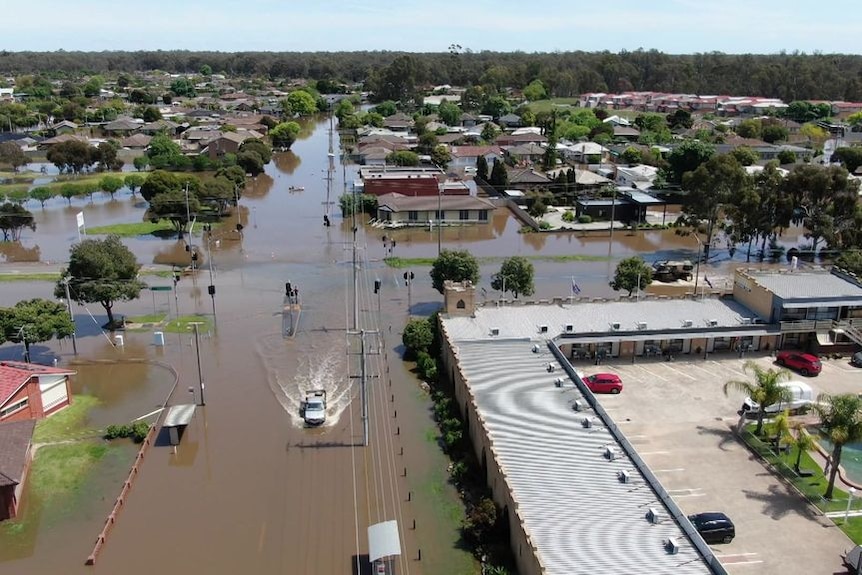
[
  {"x": 735, "y": 563},
  {"x": 735, "y": 555},
  {"x": 653, "y": 452},
  {"x": 668, "y": 470},
  {"x": 653, "y": 374},
  {"x": 680, "y": 372}
]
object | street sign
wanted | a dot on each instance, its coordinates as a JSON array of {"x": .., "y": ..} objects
[{"x": 161, "y": 288}]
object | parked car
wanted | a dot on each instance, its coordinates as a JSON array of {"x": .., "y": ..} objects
[
  {"x": 714, "y": 527},
  {"x": 856, "y": 360},
  {"x": 801, "y": 399},
  {"x": 604, "y": 383},
  {"x": 804, "y": 363}
]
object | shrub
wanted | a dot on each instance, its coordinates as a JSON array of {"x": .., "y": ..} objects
[
  {"x": 480, "y": 521},
  {"x": 568, "y": 216},
  {"x": 584, "y": 219},
  {"x": 117, "y": 431},
  {"x": 543, "y": 225},
  {"x": 139, "y": 431},
  {"x": 458, "y": 471}
]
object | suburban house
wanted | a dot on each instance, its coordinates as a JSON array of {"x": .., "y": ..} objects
[
  {"x": 515, "y": 139},
  {"x": 399, "y": 122},
  {"x": 525, "y": 154},
  {"x": 527, "y": 178},
  {"x": 136, "y": 142},
  {"x": 639, "y": 177},
  {"x": 122, "y": 127},
  {"x": 628, "y": 133},
  {"x": 64, "y": 127},
  {"x": 419, "y": 181},
  {"x": 15, "y": 457},
  {"x": 510, "y": 121},
  {"x": 32, "y": 391},
  {"x": 584, "y": 152},
  {"x": 400, "y": 210},
  {"x": 466, "y": 156},
  {"x": 227, "y": 143}
]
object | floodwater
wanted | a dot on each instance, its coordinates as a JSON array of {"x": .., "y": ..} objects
[{"x": 249, "y": 489}]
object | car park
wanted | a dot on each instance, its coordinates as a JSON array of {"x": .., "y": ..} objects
[
  {"x": 804, "y": 363},
  {"x": 604, "y": 383},
  {"x": 714, "y": 527}
]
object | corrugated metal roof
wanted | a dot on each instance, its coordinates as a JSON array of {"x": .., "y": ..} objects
[
  {"x": 514, "y": 321},
  {"x": 179, "y": 415},
  {"x": 792, "y": 285},
  {"x": 579, "y": 515}
]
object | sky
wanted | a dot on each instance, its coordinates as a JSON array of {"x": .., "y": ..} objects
[{"x": 671, "y": 26}]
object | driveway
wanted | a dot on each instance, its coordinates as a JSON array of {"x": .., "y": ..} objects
[{"x": 677, "y": 416}]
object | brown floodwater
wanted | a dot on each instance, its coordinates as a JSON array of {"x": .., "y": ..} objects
[{"x": 249, "y": 490}]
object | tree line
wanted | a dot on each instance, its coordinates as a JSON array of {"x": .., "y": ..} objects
[{"x": 789, "y": 76}]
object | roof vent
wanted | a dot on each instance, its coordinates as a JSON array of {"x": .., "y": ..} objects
[
  {"x": 551, "y": 368},
  {"x": 746, "y": 321},
  {"x": 615, "y": 326},
  {"x": 642, "y": 325},
  {"x": 535, "y": 348},
  {"x": 687, "y": 323},
  {"x": 495, "y": 331},
  {"x": 558, "y": 382},
  {"x": 543, "y": 329},
  {"x": 652, "y": 516},
  {"x": 624, "y": 476},
  {"x": 576, "y": 405},
  {"x": 671, "y": 545},
  {"x": 713, "y": 322},
  {"x": 610, "y": 453},
  {"x": 569, "y": 328},
  {"x": 587, "y": 422}
]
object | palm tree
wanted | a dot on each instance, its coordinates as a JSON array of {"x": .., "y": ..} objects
[
  {"x": 766, "y": 389},
  {"x": 779, "y": 429},
  {"x": 841, "y": 421},
  {"x": 803, "y": 442}
]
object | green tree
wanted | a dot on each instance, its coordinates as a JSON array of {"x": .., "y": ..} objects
[
  {"x": 482, "y": 168},
  {"x": 539, "y": 208},
  {"x": 766, "y": 389},
  {"x": 774, "y": 132},
  {"x": 103, "y": 271},
  {"x": 745, "y": 156},
  {"x": 258, "y": 147},
  {"x": 343, "y": 109},
  {"x": 515, "y": 276},
  {"x": 134, "y": 182},
  {"x": 42, "y": 194},
  {"x": 450, "y": 113},
  {"x": 385, "y": 109},
  {"x": 440, "y": 156},
  {"x": 631, "y": 274},
  {"x": 111, "y": 184},
  {"x": 803, "y": 442},
  {"x": 34, "y": 321},
  {"x": 151, "y": 114},
  {"x": 631, "y": 155},
  {"x": 490, "y": 131},
  {"x": 535, "y": 90},
  {"x": 182, "y": 87},
  {"x": 841, "y": 422},
  {"x": 786, "y": 157},
  {"x": 250, "y": 162},
  {"x": 687, "y": 157},
  {"x": 454, "y": 265},
  {"x": 141, "y": 163},
  {"x": 417, "y": 336},
  {"x": 850, "y": 260},
  {"x": 159, "y": 182},
  {"x": 69, "y": 191},
  {"x": 107, "y": 153},
  {"x": 12, "y": 155},
  {"x": 679, "y": 119},
  {"x": 499, "y": 175},
  {"x": 850, "y": 158},
  {"x": 403, "y": 158},
  {"x": 751, "y": 129},
  {"x": 496, "y": 106},
  {"x": 206, "y": 70},
  {"x": 284, "y": 135},
  {"x": 13, "y": 219},
  {"x": 299, "y": 103},
  {"x": 72, "y": 156}
]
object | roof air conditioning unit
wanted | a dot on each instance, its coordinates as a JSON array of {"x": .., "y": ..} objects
[
  {"x": 543, "y": 329},
  {"x": 576, "y": 405},
  {"x": 687, "y": 323},
  {"x": 558, "y": 382},
  {"x": 569, "y": 328},
  {"x": 652, "y": 516},
  {"x": 746, "y": 321},
  {"x": 642, "y": 325},
  {"x": 551, "y": 368},
  {"x": 623, "y": 476},
  {"x": 587, "y": 422},
  {"x": 495, "y": 331},
  {"x": 535, "y": 348},
  {"x": 713, "y": 322},
  {"x": 671, "y": 545},
  {"x": 615, "y": 326},
  {"x": 610, "y": 453}
]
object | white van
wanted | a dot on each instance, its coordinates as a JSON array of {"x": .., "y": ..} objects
[{"x": 801, "y": 398}]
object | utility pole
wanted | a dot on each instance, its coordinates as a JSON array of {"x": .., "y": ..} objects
[
  {"x": 71, "y": 315},
  {"x": 198, "y": 353},
  {"x": 211, "y": 289},
  {"x": 363, "y": 378}
]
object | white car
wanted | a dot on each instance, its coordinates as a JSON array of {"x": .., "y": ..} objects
[{"x": 314, "y": 407}]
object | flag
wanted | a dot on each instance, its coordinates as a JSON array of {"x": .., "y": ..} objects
[{"x": 575, "y": 289}]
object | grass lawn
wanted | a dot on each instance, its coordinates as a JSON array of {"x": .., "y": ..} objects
[
  {"x": 151, "y": 318},
  {"x": 29, "y": 277},
  {"x": 131, "y": 229},
  {"x": 548, "y": 105},
  {"x": 184, "y": 324},
  {"x": 60, "y": 470},
  {"x": 396, "y": 262},
  {"x": 67, "y": 423}
]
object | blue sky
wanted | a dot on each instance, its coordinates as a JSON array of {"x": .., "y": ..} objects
[{"x": 673, "y": 26}]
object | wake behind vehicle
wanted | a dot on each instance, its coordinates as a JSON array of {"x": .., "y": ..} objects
[{"x": 314, "y": 407}]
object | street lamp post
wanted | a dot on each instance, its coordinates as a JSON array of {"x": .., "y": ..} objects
[
  {"x": 850, "y": 493},
  {"x": 697, "y": 263},
  {"x": 72, "y": 315},
  {"x": 439, "y": 217},
  {"x": 198, "y": 354}
]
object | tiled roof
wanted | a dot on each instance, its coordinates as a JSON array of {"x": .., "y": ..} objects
[
  {"x": 15, "y": 437},
  {"x": 577, "y": 513},
  {"x": 14, "y": 374}
]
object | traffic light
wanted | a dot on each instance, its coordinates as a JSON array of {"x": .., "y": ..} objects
[{"x": 376, "y": 286}]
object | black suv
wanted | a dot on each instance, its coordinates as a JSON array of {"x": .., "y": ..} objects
[{"x": 714, "y": 527}]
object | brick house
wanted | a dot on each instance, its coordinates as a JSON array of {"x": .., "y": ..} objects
[
  {"x": 31, "y": 391},
  {"x": 15, "y": 457}
]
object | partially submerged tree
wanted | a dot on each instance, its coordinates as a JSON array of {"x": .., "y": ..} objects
[
  {"x": 766, "y": 389},
  {"x": 111, "y": 184},
  {"x": 455, "y": 265},
  {"x": 34, "y": 321},
  {"x": 515, "y": 276},
  {"x": 103, "y": 271},
  {"x": 12, "y": 155},
  {"x": 13, "y": 219},
  {"x": 631, "y": 274},
  {"x": 42, "y": 194},
  {"x": 284, "y": 135}
]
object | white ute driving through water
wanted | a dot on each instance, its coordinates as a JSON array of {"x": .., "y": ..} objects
[{"x": 314, "y": 407}]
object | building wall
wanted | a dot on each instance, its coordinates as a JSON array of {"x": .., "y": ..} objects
[
  {"x": 405, "y": 186},
  {"x": 424, "y": 216},
  {"x": 753, "y": 296},
  {"x": 33, "y": 410}
]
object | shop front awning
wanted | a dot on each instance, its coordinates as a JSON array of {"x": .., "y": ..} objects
[
  {"x": 613, "y": 337},
  {"x": 822, "y": 303}
]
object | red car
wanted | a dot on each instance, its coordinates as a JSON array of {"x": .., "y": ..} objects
[
  {"x": 804, "y": 363},
  {"x": 604, "y": 383}
]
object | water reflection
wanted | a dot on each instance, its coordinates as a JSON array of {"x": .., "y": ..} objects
[
  {"x": 13, "y": 252},
  {"x": 286, "y": 162}
]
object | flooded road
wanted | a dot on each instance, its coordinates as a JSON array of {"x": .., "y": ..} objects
[{"x": 250, "y": 490}]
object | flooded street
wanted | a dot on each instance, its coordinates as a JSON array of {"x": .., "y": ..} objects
[{"x": 250, "y": 490}]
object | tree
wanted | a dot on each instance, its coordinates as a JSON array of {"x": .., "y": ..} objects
[
  {"x": 250, "y": 162},
  {"x": 850, "y": 158},
  {"x": 299, "y": 103},
  {"x": 766, "y": 389},
  {"x": 499, "y": 175},
  {"x": 159, "y": 182},
  {"x": 284, "y": 135},
  {"x": 440, "y": 156},
  {"x": 774, "y": 132},
  {"x": 12, "y": 155},
  {"x": 72, "y": 156},
  {"x": 687, "y": 157},
  {"x": 515, "y": 276},
  {"x": 206, "y": 70},
  {"x": 679, "y": 119},
  {"x": 825, "y": 202},
  {"x": 417, "y": 336},
  {"x": 841, "y": 422},
  {"x": 151, "y": 114},
  {"x": 403, "y": 158},
  {"x": 632, "y": 273},
  {"x": 490, "y": 131},
  {"x": 13, "y": 219},
  {"x": 42, "y": 194},
  {"x": 803, "y": 442},
  {"x": 454, "y": 265},
  {"x": 450, "y": 113},
  {"x": 535, "y": 90},
  {"x": 750, "y": 129},
  {"x": 745, "y": 156},
  {"x": 482, "y": 168},
  {"x": 786, "y": 157},
  {"x": 111, "y": 184},
  {"x": 34, "y": 321},
  {"x": 259, "y": 147},
  {"x": 134, "y": 181},
  {"x": 107, "y": 155},
  {"x": 103, "y": 271},
  {"x": 631, "y": 155},
  {"x": 385, "y": 109},
  {"x": 182, "y": 87},
  {"x": 538, "y": 208}
]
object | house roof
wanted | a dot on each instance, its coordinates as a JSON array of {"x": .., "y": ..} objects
[
  {"x": 528, "y": 149},
  {"x": 395, "y": 202},
  {"x": 473, "y": 151},
  {"x": 14, "y": 374},
  {"x": 797, "y": 284},
  {"x": 526, "y": 176},
  {"x": 64, "y": 138},
  {"x": 136, "y": 141},
  {"x": 122, "y": 125},
  {"x": 626, "y": 131},
  {"x": 15, "y": 438}
]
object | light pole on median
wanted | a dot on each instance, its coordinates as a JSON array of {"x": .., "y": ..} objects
[{"x": 697, "y": 263}]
